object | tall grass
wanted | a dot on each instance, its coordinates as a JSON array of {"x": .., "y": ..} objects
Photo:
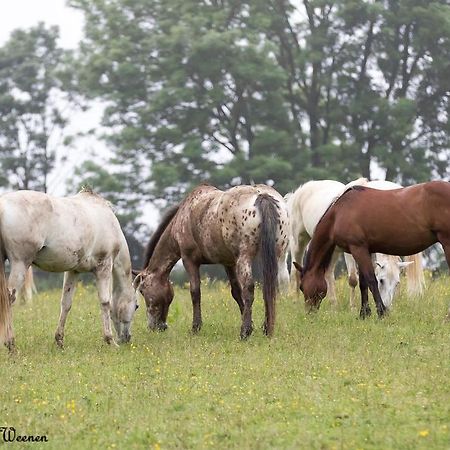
[{"x": 326, "y": 381}]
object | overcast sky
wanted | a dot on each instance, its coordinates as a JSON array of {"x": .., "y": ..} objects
[{"x": 26, "y": 13}]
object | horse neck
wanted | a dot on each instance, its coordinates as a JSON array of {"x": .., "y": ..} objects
[
  {"x": 122, "y": 277},
  {"x": 165, "y": 255},
  {"x": 321, "y": 247}
]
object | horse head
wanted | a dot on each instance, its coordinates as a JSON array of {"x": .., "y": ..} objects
[
  {"x": 387, "y": 271},
  {"x": 124, "y": 305},
  {"x": 313, "y": 285},
  {"x": 158, "y": 294}
]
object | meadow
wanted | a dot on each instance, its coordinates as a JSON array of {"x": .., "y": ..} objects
[{"x": 324, "y": 381}]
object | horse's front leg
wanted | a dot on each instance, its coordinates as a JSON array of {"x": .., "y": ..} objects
[
  {"x": 193, "y": 272},
  {"x": 70, "y": 280},
  {"x": 247, "y": 287},
  {"x": 331, "y": 282},
  {"x": 367, "y": 276},
  {"x": 103, "y": 276},
  {"x": 364, "y": 288}
]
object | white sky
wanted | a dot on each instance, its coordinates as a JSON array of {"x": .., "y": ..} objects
[{"x": 25, "y": 14}]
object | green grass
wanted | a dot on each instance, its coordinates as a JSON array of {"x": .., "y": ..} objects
[{"x": 324, "y": 381}]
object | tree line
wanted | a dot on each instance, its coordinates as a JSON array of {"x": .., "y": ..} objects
[{"x": 228, "y": 91}]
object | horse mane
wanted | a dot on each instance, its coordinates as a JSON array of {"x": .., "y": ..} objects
[
  {"x": 306, "y": 257},
  {"x": 88, "y": 190},
  {"x": 156, "y": 236},
  {"x": 356, "y": 187}
]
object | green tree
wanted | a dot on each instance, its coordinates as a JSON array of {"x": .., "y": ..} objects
[
  {"x": 33, "y": 96},
  {"x": 240, "y": 91},
  {"x": 191, "y": 92}
]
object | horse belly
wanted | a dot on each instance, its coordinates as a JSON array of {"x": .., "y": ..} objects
[
  {"x": 58, "y": 259},
  {"x": 403, "y": 243}
]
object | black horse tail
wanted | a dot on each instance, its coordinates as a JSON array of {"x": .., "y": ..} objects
[{"x": 268, "y": 210}]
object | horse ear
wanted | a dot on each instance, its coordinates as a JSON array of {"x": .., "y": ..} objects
[
  {"x": 404, "y": 264},
  {"x": 137, "y": 280},
  {"x": 298, "y": 267}
]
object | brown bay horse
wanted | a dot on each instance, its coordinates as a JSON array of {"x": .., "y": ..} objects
[
  {"x": 211, "y": 226},
  {"x": 364, "y": 221}
]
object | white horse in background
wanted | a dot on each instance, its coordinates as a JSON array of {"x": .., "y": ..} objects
[
  {"x": 72, "y": 235},
  {"x": 306, "y": 207}
]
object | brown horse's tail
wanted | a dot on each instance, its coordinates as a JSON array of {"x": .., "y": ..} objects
[
  {"x": 415, "y": 277},
  {"x": 5, "y": 305},
  {"x": 268, "y": 210}
]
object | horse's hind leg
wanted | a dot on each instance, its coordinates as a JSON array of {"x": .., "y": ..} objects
[
  {"x": 368, "y": 278},
  {"x": 16, "y": 278},
  {"x": 247, "y": 288},
  {"x": 103, "y": 277},
  {"x": 352, "y": 278},
  {"x": 194, "y": 284},
  {"x": 70, "y": 279},
  {"x": 235, "y": 289},
  {"x": 26, "y": 292}
]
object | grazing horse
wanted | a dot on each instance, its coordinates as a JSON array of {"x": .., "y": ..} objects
[
  {"x": 211, "y": 226},
  {"x": 363, "y": 221},
  {"x": 308, "y": 204},
  {"x": 72, "y": 235}
]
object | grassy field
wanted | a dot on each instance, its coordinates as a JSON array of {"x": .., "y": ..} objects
[{"x": 328, "y": 381}]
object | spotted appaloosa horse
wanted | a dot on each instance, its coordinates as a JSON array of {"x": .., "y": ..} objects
[
  {"x": 212, "y": 226},
  {"x": 72, "y": 235},
  {"x": 364, "y": 221}
]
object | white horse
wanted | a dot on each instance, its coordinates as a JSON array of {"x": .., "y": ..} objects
[
  {"x": 306, "y": 207},
  {"x": 72, "y": 235}
]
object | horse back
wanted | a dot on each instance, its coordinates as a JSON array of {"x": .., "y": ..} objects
[
  {"x": 216, "y": 226},
  {"x": 399, "y": 221},
  {"x": 59, "y": 234}
]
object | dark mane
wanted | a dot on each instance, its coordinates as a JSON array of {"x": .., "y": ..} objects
[
  {"x": 156, "y": 236},
  {"x": 357, "y": 187},
  {"x": 306, "y": 257}
]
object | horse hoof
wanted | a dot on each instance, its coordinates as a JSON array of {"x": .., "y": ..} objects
[
  {"x": 266, "y": 331},
  {"x": 196, "y": 327},
  {"x": 245, "y": 334},
  {"x": 11, "y": 346},
  {"x": 59, "y": 340},
  {"x": 110, "y": 341}
]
